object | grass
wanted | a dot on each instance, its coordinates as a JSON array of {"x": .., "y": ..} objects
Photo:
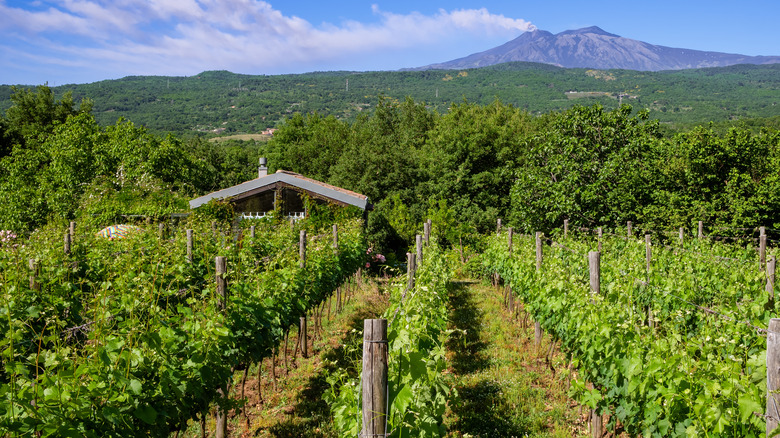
[
  {"x": 505, "y": 388},
  {"x": 295, "y": 408}
]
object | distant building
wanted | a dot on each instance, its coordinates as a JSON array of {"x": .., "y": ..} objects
[{"x": 259, "y": 197}]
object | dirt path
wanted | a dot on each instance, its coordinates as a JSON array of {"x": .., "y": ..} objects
[{"x": 506, "y": 388}]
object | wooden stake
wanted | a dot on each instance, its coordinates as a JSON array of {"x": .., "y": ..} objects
[
  {"x": 701, "y": 230},
  {"x": 35, "y": 272},
  {"x": 565, "y": 228},
  {"x": 374, "y": 378},
  {"x": 599, "y": 231},
  {"x": 221, "y": 269},
  {"x": 252, "y": 231},
  {"x": 189, "y": 245},
  {"x": 302, "y": 248},
  {"x": 773, "y": 376},
  {"x": 304, "y": 338},
  {"x": 594, "y": 264},
  {"x": 419, "y": 246},
  {"x": 770, "y": 277},
  {"x": 682, "y": 234},
  {"x": 539, "y": 253},
  {"x": 72, "y": 231},
  {"x": 628, "y": 228},
  {"x": 762, "y": 252},
  {"x": 498, "y": 226},
  {"x": 336, "y": 239},
  {"x": 509, "y": 238}
]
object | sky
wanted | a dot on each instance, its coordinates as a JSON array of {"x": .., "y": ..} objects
[{"x": 80, "y": 41}]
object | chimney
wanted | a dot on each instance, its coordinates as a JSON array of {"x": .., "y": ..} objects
[{"x": 262, "y": 170}]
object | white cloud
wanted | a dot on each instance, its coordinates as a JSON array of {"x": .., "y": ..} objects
[{"x": 187, "y": 36}]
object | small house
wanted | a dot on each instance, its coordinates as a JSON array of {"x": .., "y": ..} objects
[{"x": 259, "y": 197}]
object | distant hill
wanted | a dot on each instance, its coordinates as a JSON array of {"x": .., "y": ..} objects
[
  {"x": 592, "y": 47},
  {"x": 223, "y": 103}
]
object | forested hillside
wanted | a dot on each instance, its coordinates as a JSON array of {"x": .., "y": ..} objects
[
  {"x": 224, "y": 103},
  {"x": 465, "y": 168}
]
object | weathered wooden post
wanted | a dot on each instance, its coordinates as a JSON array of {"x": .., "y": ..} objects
[
  {"x": 304, "y": 335},
  {"x": 682, "y": 235},
  {"x": 539, "y": 255},
  {"x": 409, "y": 271},
  {"x": 701, "y": 230},
  {"x": 594, "y": 265},
  {"x": 302, "y": 248},
  {"x": 418, "y": 243},
  {"x": 565, "y": 228},
  {"x": 161, "y": 230},
  {"x": 628, "y": 228},
  {"x": 427, "y": 232},
  {"x": 770, "y": 277},
  {"x": 648, "y": 253},
  {"x": 72, "y": 231},
  {"x": 220, "y": 265},
  {"x": 189, "y": 245},
  {"x": 374, "y": 378},
  {"x": 596, "y": 425},
  {"x": 509, "y": 238},
  {"x": 252, "y": 231},
  {"x": 66, "y": 243},
  {"x": 35, "y": 272},
  {"x": 773, "y": 376},
  {"x": 498, "y": 226},
  {"x": 762, "y": 252}
]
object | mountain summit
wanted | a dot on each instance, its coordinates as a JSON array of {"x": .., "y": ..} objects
[{"x": 592, "y": 47}]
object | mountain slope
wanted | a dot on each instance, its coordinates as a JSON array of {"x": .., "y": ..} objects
[{"x": 592, "y": 47}]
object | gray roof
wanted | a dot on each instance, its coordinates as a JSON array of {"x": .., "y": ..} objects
[{"x": 283, "y": 177}]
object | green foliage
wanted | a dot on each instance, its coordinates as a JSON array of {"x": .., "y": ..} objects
[
  {"x": 700, "y": 370},
  {"x": 416, "y": 334},
  {"x": 220, "y": 102},
  {"x": 128, "y": 338}
]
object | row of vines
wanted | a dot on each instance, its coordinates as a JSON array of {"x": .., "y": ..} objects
[
  {"x": 417, "y": 328},
  {"x": 676, "y": 350},
  {"x": 130, "y": 337}
]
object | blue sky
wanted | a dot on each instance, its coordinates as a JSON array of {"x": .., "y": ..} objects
[{"x": 78, "y": 41}]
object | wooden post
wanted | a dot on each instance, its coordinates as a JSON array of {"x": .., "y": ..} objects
[
  {"x": 648, "y": 253},
  {"x": 161, "y": 230},
  {"x": 335, "y": 239},
  {"x": 509, "y": 238},
  {"x": 498, "y": 226},
  {"x": 628, "y": 228},
  {"x": 600, "y": 234},
  {"x": 594, "y": 264},
  {"x": 539, "y": 253},
  {"x": 682, "y": 234},
  {"x": 762, "y": 252},
  {"x": 35, "y": 272},
  {"x": 701, "y": 230},
  {"x": 537, "y": 335},
  {"x": 66, "y": 243},
  {"x": 221, "y": 268},
  {"x": 252, "y": 231},
  {"x": 374, "y": 378},
  {"x": 427, "y": 232},
  {"x": 773, "y": 376},
  {"x": 72, "y": 231},
  {"x": 565, "y": 228},
  {"x": 189, "y": 245},
  {"x": 304, "y": 335},
  {"x": 770, "y": 277},
  {"x": 596, "y": 425},
  {"x": 409, "y": 270},
  {"x": 419, "y": 246},
  {"x": 302, "y": 248}
]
